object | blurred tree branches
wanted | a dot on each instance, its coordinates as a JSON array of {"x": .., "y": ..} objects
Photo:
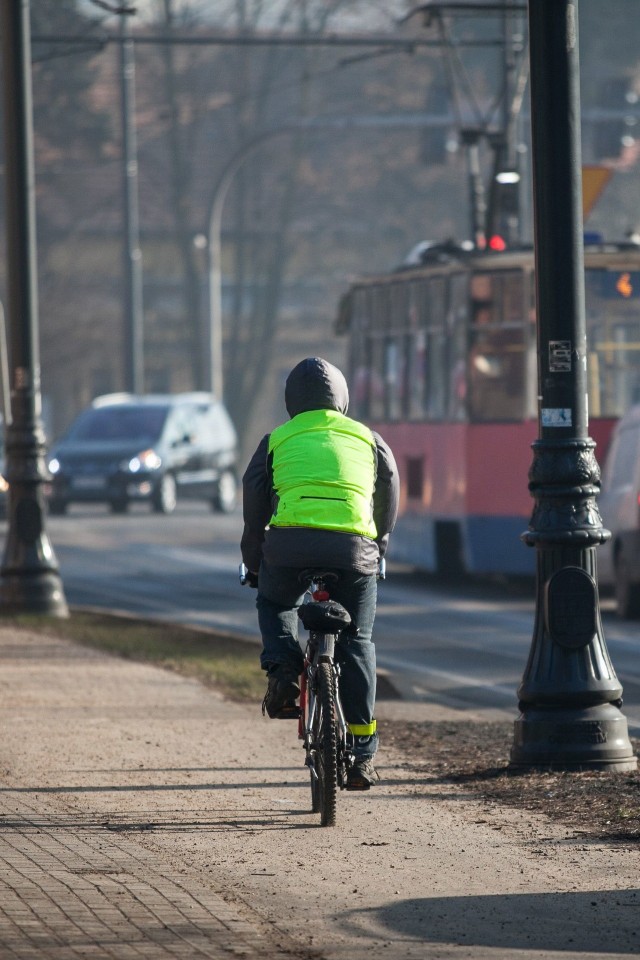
[{"x": 304, "y": 213}]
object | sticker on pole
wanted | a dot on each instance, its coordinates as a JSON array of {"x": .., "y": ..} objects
[
  {"x": 559, "y": 356},
  {"x": 556, "y": 417}
]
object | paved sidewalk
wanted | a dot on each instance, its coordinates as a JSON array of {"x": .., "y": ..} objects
[{"x": 142, "y": 816}]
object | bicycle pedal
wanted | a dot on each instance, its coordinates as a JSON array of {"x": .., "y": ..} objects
[{"x": 290, "y": 711}]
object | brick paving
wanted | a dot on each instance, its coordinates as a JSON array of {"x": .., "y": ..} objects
[
  {"x": 71, "y": 887},
  {"x": 80, "y": 875}
]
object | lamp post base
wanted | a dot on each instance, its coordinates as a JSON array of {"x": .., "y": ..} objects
[
  {"x": 566, "y": 738},
  {"x": 39, "y": 593}
]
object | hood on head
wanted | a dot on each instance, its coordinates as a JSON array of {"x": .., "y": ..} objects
[{"x": 315, "y": 384}]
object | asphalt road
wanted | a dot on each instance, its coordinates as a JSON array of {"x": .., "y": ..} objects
[{"x": 460, "y": 645}]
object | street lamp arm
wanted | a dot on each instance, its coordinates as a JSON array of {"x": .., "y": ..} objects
[
  {"x": 214, "y": 241},
  {"x": 215, "y": 247}
]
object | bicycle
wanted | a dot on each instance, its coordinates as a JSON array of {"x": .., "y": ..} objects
[{"x": 322, "y": 726}]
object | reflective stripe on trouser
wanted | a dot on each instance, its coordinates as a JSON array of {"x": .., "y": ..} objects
[{"x": 362, "y": 729}]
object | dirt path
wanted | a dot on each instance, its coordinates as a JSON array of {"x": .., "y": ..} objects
[{"x": 143, "y": 816}]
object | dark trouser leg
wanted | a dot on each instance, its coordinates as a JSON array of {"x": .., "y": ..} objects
[
  {"x": 357, "y": 658},
  {"x": 277, "y": 602}
]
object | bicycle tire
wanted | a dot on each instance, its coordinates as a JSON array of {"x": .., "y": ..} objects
[{"x": 324, "y": 789}]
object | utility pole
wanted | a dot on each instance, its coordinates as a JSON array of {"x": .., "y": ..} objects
[
  {"x": 29, "y": 578},
  {"x": 132, "y": 255}
]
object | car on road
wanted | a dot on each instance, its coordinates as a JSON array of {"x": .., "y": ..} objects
[
  {"x": 157, "y": 448},
  {"x": 619, "y": 504}
]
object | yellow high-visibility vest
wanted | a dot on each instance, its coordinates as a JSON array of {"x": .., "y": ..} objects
[{"x": 324, "y": 470}]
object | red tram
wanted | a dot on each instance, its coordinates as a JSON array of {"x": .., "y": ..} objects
[{"x": 443, "y": 363}]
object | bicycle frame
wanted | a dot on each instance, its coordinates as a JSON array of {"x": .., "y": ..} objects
[
  {"x": 322, "y": 726},
  {"x": 321, "y": 649},
  {"x": 308, "y": 701}
]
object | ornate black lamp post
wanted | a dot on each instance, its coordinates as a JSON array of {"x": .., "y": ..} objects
[
  {"x": 570, "y": 697},
  {"x": 29, "y": 579}
]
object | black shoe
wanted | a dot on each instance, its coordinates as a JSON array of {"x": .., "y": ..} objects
[
  {"x": 280, "y": 699},
  {"x": 362, "y": 775}
]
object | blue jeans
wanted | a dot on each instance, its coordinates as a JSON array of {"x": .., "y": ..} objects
[{"x": 280, "y": 595}]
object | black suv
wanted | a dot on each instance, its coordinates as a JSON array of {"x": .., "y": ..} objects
[{"x": 158, "y": 448}]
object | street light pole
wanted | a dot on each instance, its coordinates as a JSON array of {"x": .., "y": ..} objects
[
  {"x": 29, "y": 578},
  {"x": 132, "y": 255},
  {"x": 570, "y": 697}
]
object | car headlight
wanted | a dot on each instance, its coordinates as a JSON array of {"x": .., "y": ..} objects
[
  {"x": 147, "y": 460},
  {"x": 54, "y": 465}
]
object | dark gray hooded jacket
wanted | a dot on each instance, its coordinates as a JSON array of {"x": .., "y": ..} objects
[{"x": 314, "y": 384}]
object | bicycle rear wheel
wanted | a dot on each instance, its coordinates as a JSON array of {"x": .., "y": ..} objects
[{"x": 324, "y": 787}]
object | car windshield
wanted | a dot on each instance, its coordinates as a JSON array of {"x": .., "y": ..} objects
[{"x": 140, "y": 424}]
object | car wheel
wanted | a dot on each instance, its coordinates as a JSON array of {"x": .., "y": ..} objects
[
  {"x": 226, "y": 496},
  {"x": 58, "y": 508},
  {"x": 166, "y": 496},
  {"x": 119, "y": 506},
  {"x": 627, "y": 591}
]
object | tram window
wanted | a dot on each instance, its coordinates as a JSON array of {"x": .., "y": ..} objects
[
  {"x": 436, "y": 374},
  {"x": 361, "y": 377},
  {"x": 497, "y": 365},
  {"x": 376, "y": 381},
  {"x": 394, "y": 378},
  {"x": 360, "y": 366},
  {"x": 457, "y": 346},
  {"x": 416, "y": 353},
  {"x": 399, "y": 302},
  {"x": 380, "y": 308},
  {"x": 414, "y": 305},
  {"x": 513, "y": 306},
  {"x": 437, "y": 377},
  {"x": 611, "y": 299},
  {"x": 531, "y": 350},
  {"x": 417, "y": 374}
]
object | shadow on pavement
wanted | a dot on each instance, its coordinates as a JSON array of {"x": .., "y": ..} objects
[{"x": 602, "y": 921}]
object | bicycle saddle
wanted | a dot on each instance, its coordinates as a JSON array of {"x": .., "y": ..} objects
[
  {"x": 324, "y": 616},
  {"x": 311, "y": 574}
]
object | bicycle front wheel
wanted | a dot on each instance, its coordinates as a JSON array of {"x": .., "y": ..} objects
[{"x": 325, "y": 785}]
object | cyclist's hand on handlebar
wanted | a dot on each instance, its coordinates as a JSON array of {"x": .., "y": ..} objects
[{"x": 248, "y": 577}]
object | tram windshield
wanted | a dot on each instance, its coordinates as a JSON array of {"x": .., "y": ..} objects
[{"x": 613, "y": 340}]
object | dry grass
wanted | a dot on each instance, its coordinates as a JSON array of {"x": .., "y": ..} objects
[
  {"x": 474, "y": 757},
  {"x": 224, "y": 662}
]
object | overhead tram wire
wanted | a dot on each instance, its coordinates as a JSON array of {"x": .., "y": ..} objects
[{"x": 264, "y": 40}]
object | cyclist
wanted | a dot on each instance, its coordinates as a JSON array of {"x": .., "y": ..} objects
[{"x": 321, "y": 490}]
